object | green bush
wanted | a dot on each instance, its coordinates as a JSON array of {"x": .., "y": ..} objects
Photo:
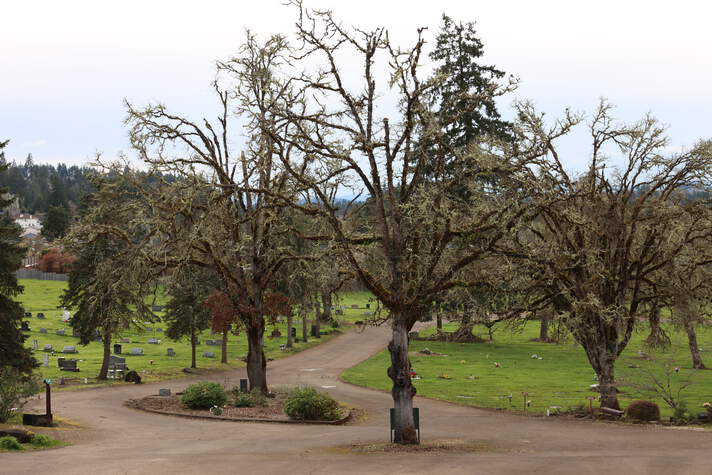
[
  {"x": 9, "y": 443},
  {"x": 14, "y": 388},
  {"x": 306, "y": 403},
  {"x": 41, "y": 440},
  {"x": 643, "y": 411},
  {"x": 204, "y": 395},
  {"x": 250, "y": 399}
]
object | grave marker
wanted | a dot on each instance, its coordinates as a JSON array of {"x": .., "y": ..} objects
[
  {"x": 69, "y": 349},
  {"x": 41, "y": 316},
  {"x": 170, "y": 352},
  {"x": 47, "y": 348},
  {"x": 45, "y": 362},
  {"x": 43, "y": 330},
  {"x": 208, "y": 354},
  {"x": 153, "y": 341},
  {"x": 60, "y": 332},
  {"x": 117, "y": 348},
  {"x": 25, "y": 326},
  {"x": 137, "y": 351},
  {"x": 35, "y": 345}
]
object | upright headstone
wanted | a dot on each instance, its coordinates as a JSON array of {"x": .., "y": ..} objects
[
  {"x": 61, "y": 332},
  {"x": 170, "y": 352},
  {"x": 35, "y": 345},
  {"x": 208, "y": 354},
  {"x": 43, "y": 330},
  {"x": 25, "y": 326},
  {"x": 354, "y": 306},
  {"x": 137, "y": 351},
  {"x": 28, "y": 314},
  {"x": 153, "y": 341},
  {"x": 45, "y": 362},
  {"x": 47, "y": 348},
  {"x": 314, "y": 331},
  {"x": 243, "y": 386},
  {"x": 69, "y": 349},
  {"x": 75, "y": 332},
  {"x": 41, "y": 316},
  {"x": 117, "y": 348}
]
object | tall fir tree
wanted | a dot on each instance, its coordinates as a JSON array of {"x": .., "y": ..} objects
[
  {"x": 12, "y": 350},
  {"x": 466, "y": 96}
]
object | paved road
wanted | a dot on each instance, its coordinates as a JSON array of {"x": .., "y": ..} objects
[{"x": 116, "y": 439}]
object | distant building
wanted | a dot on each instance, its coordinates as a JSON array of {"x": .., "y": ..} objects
[{"x": 31, "y": 226}]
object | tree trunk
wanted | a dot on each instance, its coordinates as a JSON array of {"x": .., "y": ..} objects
[
  {"x": 606, "y": 383},
  {"x": 657, "y": 337},
  {"x": 193, "y": 340},
  {"x": 223, "y": 352},
  {"x": 403, "y": 389},
  {"x": 290, "y": 325},
  {"x": 256, "y": 361},
  {"x": 104, "y": 371},
  {"x": 439, "y": 320},
  {"x": 544, "y": 329},
  {"x": 326, "y": 303},
  {"x": 692, "y": 342},
  {"x": 305, "y": 334}
]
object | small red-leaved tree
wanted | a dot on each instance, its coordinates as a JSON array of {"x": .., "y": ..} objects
[
  {"x": 225, "y": 316},
  {"x": 56, "y": 261}
]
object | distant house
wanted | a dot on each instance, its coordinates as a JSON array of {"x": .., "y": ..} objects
[{"x": 28, "y": 221}]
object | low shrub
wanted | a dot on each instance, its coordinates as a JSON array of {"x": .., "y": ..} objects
[
  {"x": 250, "y": 399},
  {"x": 41, "y": 440},
  {"x": 306, "y": 403},
  {"x": 643, "y": 411},
  {"x": 10, "y": 443},
  {"x": 14, "y": 389},
  {"x": 204, "y": 395}
]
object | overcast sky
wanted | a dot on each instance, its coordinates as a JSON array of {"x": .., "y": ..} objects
[{"x": 65, "y": 67}]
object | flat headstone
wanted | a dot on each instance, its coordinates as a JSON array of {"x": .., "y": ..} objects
[
  {"x": 69, "y": 349},
  {"x": 43, "y": 330},
  {"x": 116, "y": 359},
  {"x": 164, "y": 392},
  {"x": 153, "y": 341},
  {"x": 61, "y": 332},
  {"x": 125, "y": 340},
  {"x": 137, "y": 351},
  {"x": 367, "y": 314},
  {"x": 170, "y": 352},
  {"x": 211, "y": 342},
  {"x": 208, "y": 354},
  {"x": 354, "y": 306},
  {"x": 47, "y": 348}
]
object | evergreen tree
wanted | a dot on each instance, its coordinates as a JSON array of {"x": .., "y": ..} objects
[
  {"x": 107, "y": 284},
  {"x": 186, "y": 313},
  {"x": 12, "y": 350},
  {"x": 56, "y": 223},
  {"x": 466, "y": 96}
]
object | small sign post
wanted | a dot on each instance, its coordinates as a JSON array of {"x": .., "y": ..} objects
[{"x": 48, "y": 398}]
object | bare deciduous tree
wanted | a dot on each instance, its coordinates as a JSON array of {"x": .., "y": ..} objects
[
  {"x": 601, "y": 238},
  {"x": 377, "y": 127}
]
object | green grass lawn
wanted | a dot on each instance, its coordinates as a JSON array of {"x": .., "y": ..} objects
[
  {"x": 468, "y": 375},
  {"x": 43, "y": 296}
]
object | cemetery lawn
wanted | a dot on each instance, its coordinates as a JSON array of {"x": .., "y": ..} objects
[
  {"x": 468, "y": 375},
  {"x": 44, "y": 296}
]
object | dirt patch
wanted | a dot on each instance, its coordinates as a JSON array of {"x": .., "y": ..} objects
[
  {"x": 272, "y": 412},
  {"x": 437, "y": 446}
]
